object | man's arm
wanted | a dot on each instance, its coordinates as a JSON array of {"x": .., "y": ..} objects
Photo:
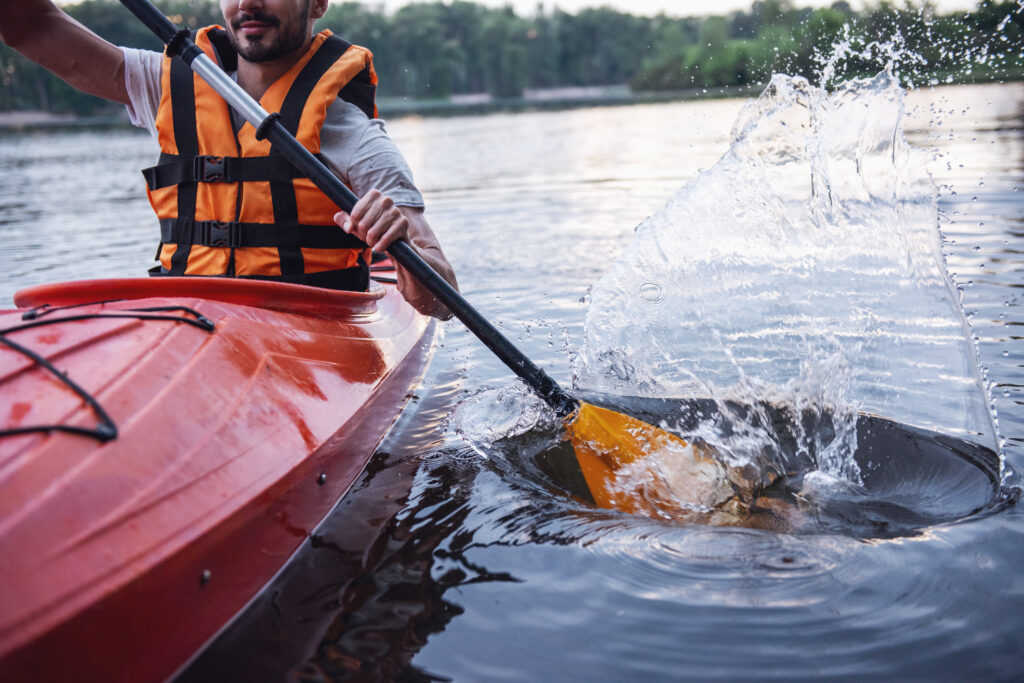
[
  {"x": 377, "y": 221},
  {"x": 42, "y": 32},
  {"x": 422, "y": 238}
]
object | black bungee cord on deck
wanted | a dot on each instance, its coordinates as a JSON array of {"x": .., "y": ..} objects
[{"x": 106, "y": 430}]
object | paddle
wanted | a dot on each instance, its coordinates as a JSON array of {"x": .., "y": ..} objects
[{"x": 604, "y": 441}]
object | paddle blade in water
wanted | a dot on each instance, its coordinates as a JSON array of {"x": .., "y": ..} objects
[{"x": 633, "y": 466}]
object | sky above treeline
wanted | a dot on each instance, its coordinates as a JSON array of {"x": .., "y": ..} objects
[{"x": 678, "y": 8}]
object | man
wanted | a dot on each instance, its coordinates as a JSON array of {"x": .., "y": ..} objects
[{"x": 259, "y": 219}]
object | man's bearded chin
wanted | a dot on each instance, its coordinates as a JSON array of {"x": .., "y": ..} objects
[{"x": 285, "y": 43}]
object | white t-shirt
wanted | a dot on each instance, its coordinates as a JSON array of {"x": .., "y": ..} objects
[{"x": 356, "y": 147}]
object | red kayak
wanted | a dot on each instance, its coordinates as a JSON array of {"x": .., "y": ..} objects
[{"x": 166, "y": 445}]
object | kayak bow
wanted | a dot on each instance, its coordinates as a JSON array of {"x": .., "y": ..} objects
[{"x": 243, "y": 411}]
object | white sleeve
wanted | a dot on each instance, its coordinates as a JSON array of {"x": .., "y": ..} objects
[
  {"x": 361, "y": 153},
  {"x": 142, "y": 79}
]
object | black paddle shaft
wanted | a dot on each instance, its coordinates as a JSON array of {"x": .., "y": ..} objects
[{"x": 267, "y": 126}]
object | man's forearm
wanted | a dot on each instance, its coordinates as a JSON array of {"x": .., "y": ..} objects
[
  {"x": 424, "y": 241},
  {"x": 20, "y": 18},
  {"x": 41, "y": 31}
]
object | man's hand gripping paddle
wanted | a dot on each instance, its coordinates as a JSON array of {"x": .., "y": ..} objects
[{"x": 604, "y": 441}]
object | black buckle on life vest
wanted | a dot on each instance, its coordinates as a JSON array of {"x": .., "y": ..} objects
[
  {"x": 219, "y": 234},
  {"x": 208, "y": 169}
]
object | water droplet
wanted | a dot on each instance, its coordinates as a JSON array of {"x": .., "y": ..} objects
[{"x": 651, "y": 292}]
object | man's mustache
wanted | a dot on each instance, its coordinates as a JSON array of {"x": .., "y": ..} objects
[{"x": 256, "y": 16}]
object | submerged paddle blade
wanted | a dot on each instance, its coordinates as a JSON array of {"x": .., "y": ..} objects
[{"x": 633, "y": 466}]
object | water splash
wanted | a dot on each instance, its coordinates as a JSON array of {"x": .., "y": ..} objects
[
  {"x": 803, "y": 270},
  {"x": 852, "y": 48},
  {"x": 492, "y": 415}
]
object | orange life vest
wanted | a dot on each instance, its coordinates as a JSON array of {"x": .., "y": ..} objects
[{"x": 229, "y": 204}]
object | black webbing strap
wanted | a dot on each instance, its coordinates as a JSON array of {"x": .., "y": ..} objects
[
  {"x": 346, "y": 279},
  {"x": 355, "y": 279},
  {"x": 227, "y": 58},
  {"x": 286, "y": 212},
  {"x": 361, "y": 92},
  {"x": 282, "y": 190},
  {"x": 175, "y": 169},
  {"x": 187, "y": 231},
  {"x": 186, "y": 137},
  {"x": 295, "y": 101}
]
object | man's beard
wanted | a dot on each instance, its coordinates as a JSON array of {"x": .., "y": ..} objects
[{"x": 289, "y": 40}]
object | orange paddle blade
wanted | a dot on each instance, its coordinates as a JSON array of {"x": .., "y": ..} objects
[{"x": 632, "y": 466}]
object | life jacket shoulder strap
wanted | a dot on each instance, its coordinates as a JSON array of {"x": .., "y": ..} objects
[
  {"x": 225, "y": 53},
  {"x": 362, "y": 89},
  {"x": 329, "y": 52}
]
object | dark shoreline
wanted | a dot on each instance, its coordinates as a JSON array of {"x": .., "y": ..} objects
[
  {"x": 611, "y": 96},
  {"x": 27, "y": 121},
  {"x": 22, "y": 121}
]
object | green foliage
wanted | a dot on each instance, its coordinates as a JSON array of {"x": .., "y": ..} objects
[
  {"x": 437, "y": 49},
  {"x": 835, "y": 43}
]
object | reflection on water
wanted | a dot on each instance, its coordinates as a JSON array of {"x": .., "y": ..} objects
[
  {"x": 478, "y": 570},
  {"x": 72, "y": 206}
]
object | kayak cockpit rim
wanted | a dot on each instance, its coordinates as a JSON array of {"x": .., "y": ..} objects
[{"x": 278, "y": 296}]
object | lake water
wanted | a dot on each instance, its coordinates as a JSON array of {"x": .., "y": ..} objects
[{"x": 446, "y": 564}]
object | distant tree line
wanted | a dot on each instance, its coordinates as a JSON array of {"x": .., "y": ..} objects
[
  {"x": 435, "y": 50},
  {"x": 921, "y": 46}
]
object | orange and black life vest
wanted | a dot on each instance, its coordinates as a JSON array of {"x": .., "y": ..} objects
[{"x": 229, "y": 204}]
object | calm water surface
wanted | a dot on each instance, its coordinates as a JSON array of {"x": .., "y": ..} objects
[{"x": 444, "y": 565}]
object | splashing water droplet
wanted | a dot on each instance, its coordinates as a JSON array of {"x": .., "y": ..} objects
[{"x": 651, "y": 292}]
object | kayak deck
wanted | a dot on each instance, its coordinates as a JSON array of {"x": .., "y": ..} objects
[{"x": 233, "y": 442}]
